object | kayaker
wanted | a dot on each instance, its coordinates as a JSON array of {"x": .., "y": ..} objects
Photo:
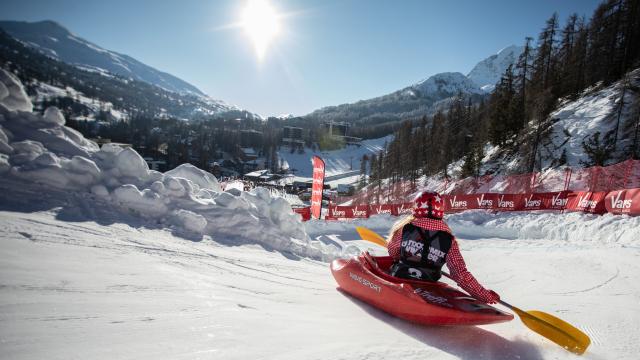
[{"x": 422, "y": 243}]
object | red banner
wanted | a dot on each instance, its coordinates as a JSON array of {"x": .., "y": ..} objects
[
  {"x": 317, "y": 187},
  {"x": 305, "y": 212},
  {"x": 456, "y": 203},
  {"x": 586, "y": 201},
  {"x": 623, "y": 202},
  {"x": 403, "y": 209},
  {"x": 349, "y": 212},
  {"x": 390, "y": 209}
]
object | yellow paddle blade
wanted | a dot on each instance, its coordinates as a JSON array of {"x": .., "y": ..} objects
[
  {"x": 554, "y": 329},
  {"x": 370, "y": 235}
]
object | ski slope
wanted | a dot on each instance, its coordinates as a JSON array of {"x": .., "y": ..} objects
[
  {"x": 102, "y": 258},
  {"x": 117, "y": 287}
]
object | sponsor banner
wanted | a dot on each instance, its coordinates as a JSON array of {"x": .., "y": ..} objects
[
  {"x": 456, "y": 203},
  {"x": 391, "y": 209},
  {"x": 623, "y": 202},
  {"x": 317, "y": 187},
  {"x": 586, "y": 201},
  {"x": 558, "y": 200},
  {"x": 539, "y": 201},
  {"x": 304, "y": 212},
  {"x": 403, "y": 209},
  {"x": 486, "y": 201},
  {"x": 348, "y": 212},
  {"x": 507, "y": 202}
]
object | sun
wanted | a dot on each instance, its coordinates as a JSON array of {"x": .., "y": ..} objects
[{"x": 261, "y": 22}]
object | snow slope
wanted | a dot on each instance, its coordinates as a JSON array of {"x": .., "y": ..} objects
[
  {"x": 337, "y": 162},
  {"x": 54, "y": 40},
  {"x": 112, "y": 287}
]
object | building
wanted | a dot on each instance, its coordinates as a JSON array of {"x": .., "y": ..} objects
[{"x": 292, "y": 136}]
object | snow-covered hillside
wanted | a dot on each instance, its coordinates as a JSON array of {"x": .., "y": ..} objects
[
  {"x": 101, "y": 76},
  {"x": 489, "y": 71},
  {"x": 447, "y": 84},
  {"x": 346, "y": 160},
  {"x": 575, "y": 122},
  {"x": 56, "y": 41}
]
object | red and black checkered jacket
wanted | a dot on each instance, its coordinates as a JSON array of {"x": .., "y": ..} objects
[{"x": 455, "y": 262}]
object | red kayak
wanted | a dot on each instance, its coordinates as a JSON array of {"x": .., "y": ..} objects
[{"x": 430, "y": 303}]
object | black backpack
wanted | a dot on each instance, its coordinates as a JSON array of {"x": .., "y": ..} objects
[{"x": 422, "y": 254}]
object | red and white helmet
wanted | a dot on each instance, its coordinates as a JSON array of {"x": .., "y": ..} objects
[{"x": 428, "y": 204}]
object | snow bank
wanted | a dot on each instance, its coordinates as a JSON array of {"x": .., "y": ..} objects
[
  {"x": 574, "y": 228},
  {"x": 40, "y": 149}
]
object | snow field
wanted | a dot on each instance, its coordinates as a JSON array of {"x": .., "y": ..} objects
[{"x": 40, "y": 149}]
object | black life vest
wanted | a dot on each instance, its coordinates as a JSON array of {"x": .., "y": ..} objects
[{"x": 422, "y": 253}]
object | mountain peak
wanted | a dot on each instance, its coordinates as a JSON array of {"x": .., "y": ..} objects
[
  {"x": 488, "y": 71},
  {"x": 447, "y": 83}
]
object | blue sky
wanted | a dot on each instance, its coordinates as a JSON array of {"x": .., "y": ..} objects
[{"x": 328, "y": 52}]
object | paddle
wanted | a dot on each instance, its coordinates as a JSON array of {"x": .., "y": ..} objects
[{"x": 549, "y": 326}]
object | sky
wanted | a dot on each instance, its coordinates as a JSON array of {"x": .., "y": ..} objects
[{"x": 327, "y": 52}]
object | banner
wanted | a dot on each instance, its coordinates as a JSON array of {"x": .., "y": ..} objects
[
  {"x": 390, "y": 209},
  {"x": 317, "y": 187},
  {"x": 623, "y": 202},
  {"x": 456, "y": 203},
  {"x": 348, "y": 212},
  {"x": 586, "y": 201},
  {"x": 305, "y": 212},
  {"x": 403, "y": 209}
]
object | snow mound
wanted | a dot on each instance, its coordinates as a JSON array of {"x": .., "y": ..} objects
[
  {"x": 199, "y": 177},
  {"x": 571, "y": 228},
  {"x": 12, "y": 94},
  {"x": 38, "y": 150}
]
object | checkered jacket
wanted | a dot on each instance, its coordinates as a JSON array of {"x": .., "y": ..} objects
[{"x": 455, "y": 262}]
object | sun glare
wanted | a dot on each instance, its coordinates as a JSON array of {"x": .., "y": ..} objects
[{"x": 261, "y": 23}]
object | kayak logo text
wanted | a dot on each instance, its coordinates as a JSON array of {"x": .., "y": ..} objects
[
  {"x": 431, "y": 297},
  {"x": 365, "y": 282}
]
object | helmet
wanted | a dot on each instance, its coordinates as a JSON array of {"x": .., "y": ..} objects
[{"x": 428, "y": 204}]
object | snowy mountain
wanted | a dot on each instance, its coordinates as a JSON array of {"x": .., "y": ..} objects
[
  {"x": 56, "y": 41},
  {"x": 87, "y": 93},
  {"x": 424, "y": 97},
  {"x": 447, "y": 84},
  {"x": 488, "y": 71}
]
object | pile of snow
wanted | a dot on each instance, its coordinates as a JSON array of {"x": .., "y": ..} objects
[{"x": 40, "y": 149}]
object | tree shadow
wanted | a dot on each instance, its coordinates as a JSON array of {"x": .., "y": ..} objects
[{"x": 464, "y": 342}]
